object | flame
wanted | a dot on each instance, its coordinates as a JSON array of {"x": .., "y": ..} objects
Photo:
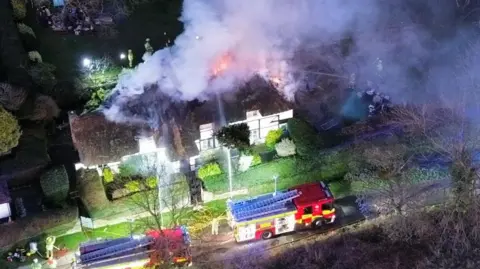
[{"x": 222, "y": 64}]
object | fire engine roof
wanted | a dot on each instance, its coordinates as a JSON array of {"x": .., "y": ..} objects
[
  {"x": 311, "y": 193},
  {"x": 262, "y": 206}
]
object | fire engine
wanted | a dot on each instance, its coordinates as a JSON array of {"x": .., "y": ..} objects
[
  {"x": 145, "y": 251},
  {"x": 265, "y": 216}
]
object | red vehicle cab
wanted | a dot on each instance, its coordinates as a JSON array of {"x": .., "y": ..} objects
[
  {"x": 265, "y": 216},
  {"x": 314, "y": 205},
  {"x": 146, "y": 251}
]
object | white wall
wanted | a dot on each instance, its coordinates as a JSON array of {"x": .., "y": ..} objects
[
  {"x": 5, "y": 211},
  {"x": 262, "y": 124}
]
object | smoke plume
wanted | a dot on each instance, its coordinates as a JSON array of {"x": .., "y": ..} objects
[{"x": 396, "y": 43}]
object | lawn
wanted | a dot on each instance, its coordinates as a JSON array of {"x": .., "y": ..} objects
[
  {"x": 290, "y": 171},
  {"x": 72, "y": 241}
]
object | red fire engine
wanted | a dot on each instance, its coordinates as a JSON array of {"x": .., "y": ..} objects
[
  {"x": 147, "y": 251},
  {"x": 272, "y": 214}
]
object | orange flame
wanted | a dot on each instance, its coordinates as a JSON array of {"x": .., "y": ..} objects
[{"x": 222, "y": 64}]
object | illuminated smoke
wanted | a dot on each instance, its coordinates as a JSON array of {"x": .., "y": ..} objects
[{"x": 226, "y": 43}]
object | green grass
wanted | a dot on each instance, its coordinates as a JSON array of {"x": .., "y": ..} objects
[
  {"x": 291, "y": 172},
  {"x": 72, "y": 241}
]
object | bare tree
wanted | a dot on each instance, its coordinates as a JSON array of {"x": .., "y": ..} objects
[
  {"x": 384, "y": 173},
  {"x": 163, "y": 195}
]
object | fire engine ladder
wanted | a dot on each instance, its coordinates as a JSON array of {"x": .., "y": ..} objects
[
  {"x": 275, "y": 199},
  {"x": 116, "y": 250}
]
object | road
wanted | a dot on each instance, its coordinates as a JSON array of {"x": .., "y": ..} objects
[{"x": 348, "y": 213}]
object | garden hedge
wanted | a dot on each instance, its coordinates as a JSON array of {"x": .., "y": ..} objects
[{"x": 55, "y": 184}]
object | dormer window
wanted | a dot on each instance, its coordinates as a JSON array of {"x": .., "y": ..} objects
[{"x": 253, "y": 114}]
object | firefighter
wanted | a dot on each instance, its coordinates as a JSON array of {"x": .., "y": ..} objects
[
  {"x": 73, "y": 263},
  {"x": 49, "y": 245},
  {"x": 215, "y": 226},
  {"x": 148, "y": 47},
  {"x": 130, "y": 58},
  {"x": 35, "y": 264}
]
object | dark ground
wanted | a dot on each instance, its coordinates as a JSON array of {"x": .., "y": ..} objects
[{"x": 65, "y": 50}]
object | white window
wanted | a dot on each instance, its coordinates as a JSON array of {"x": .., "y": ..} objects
[
  {"x": 254, "y": 135},
  {"x": 253, "y": 114}
]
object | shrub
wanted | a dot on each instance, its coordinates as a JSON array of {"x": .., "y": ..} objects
[
  {"x": 25, "y": 30},
  {"x": 10, "y": 133},
  {"x": 151, "y": 182},
  {"x": 235, "y": 136},
  {"x": 55, "y": 184},
  {"x": 133, "y": 186},
  {"x": 304, "y": 136},
  {"x": 96, "y": 99},
  {"x": 12, "y": 97},
  {"x": 19, "y": 9},
  {"x": 42, "y": 75},
  {"x": 44, "y": 108},
  {"x": 210, "y": 169},
  {"x": 256, "y": 160},
  {"x": 285, "y": 148},
  {"x": 107, "y": 175},
  {"x": 273, "y": 137},
  {"x": 35, "y": 56}
]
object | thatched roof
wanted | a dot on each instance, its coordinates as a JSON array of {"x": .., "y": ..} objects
[
  {"x": 100, "y": 141},
  {"x": 256, "y": 95}
]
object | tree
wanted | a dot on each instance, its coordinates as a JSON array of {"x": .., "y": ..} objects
[
  {"x": 209, "y": 169},
  {"x": 235, "y": 136},
  {"x": 448, "y": 135},
  {"x": 12, "y": 97},
  {"x": 19, "y": 9},
  {"x": 383, "y": 170},
  {"x": 10, "y": 134},
  {"x": 304, "y": 137},
  {"x": 167, "y": 205}
]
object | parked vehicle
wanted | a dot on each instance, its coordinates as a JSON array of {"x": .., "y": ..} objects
[
  {"x": 265, "y": 216},
  {"x": 145, "y": 251}
]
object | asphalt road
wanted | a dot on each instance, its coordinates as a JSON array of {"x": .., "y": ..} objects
[{"x": 348, "y": 213}]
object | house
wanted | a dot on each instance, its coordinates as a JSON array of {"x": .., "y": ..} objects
[
  {"x": 261, "y": 107},
  {"x": 183, "y": 135},
  {"x": 101, "y": 142},
  {"x": 5, "y": 210}
]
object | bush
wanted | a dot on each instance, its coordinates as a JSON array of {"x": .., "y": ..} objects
[
  {"x": 210, "y": 169},
  {"x": 273, "y": 137},
  {"x": 304, "y": 136},
  {"x": 96, "y": 99},
  {"x": 35, "y": 56},
  {"x": 107, "y": 175},
  {"x": 285, "y": 148},
  {"x": 55, "y": 184},
  {"x": 256, "y": 160},
  {"x": 19, "y": 9},
  {"x": 44, "y": 108},
  {"x": 25, "y": 30},
  {"x": 133, "y": 186},
  {"x": 42, "y": 75},
  {"x": 10, "y": 134}
]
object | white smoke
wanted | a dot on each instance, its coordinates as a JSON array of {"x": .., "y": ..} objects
[{"x": 261, "y": 37}]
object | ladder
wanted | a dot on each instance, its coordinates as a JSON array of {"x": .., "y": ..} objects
[
  {"x": 244, "y": 215},
  {"x": 100, "y": 244},
  {"x": 116, "y": 249},
  {"x": 275, "y": 199}
]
